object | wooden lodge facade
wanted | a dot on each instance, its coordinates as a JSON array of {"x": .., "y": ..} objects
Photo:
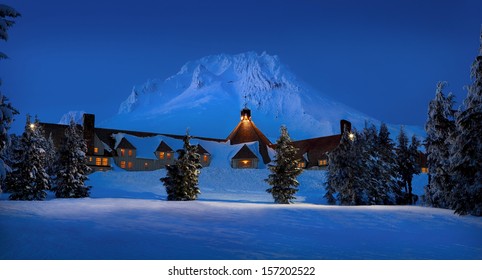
[{"x": 146, "y": 151}]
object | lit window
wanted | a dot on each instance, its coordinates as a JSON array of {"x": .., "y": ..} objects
[
  {"x": 90, "y": 159},
  {"x": 205, "y": 158},
  {"x": 323, "y": 162},
  {"x": 105, "y": 161},
  {"x": 146, "y": 165},
  {"x": 245, "y": 163},
  {"x": 123, "y": 152},
  {"x": 161, "y": 155},
  {"x": 98, "y": 161},
  {"x": 424, "y": 170},
  {"x": 301, "y": 164},
  {"x": 129, "y": 152},
  {"x": 169, "y": 155},
  {"x": 96, "y": 150},
  {"x": 130, "y": 165},
  {"x": 123, "y": 164}
]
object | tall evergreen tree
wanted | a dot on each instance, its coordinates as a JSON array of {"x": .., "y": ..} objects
[
  {"x": 440, "y": 128},
  {"x": 466, "y": 160},
  {"x": 407, "y": 157},
  {"x": 181, "y": 181},
  {"x": 385, "y": 150},
  {"x": 72, "y": 168},
  {"x": 29, "y": 179},
  {"x": 7, "y": 112},
  {"x": 345, "y": 179},
  {"x": 371, "y": 179},
  {"x": 284, "y": 172}
]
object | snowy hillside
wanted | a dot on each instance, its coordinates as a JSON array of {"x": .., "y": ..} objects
[
  {"x": 128, "y": 217},
  {"x": 207, "y": 94}
]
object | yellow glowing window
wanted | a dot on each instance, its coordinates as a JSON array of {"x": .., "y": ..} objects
[
  {"x": 90, "y": 159},
  {"x": 245, "y": 163},
  {"x": 169, "y": 155},
  {"x": 301, "y": 164},
  {"x": 130, "y": 165},
  {"x": 105, "y": 161},
  {"x": 323, "y": 162},
  {"x": 161, "y": 155},
  {"x": 205, "y": 158},
  {"x": 96, "y": 150},
  {"x": 123, "y": 164},
  {"x": 123, "y": 152},
  {"x": 98, "y": 161},
  {"x": 424, "y": 169},
  {"x": 129, "y": 152}
]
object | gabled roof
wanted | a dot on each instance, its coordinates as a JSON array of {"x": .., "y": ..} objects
[
  {"x": 244, "y": 153},
  {"x": 201, "y": 150},
  {"x": 246, "y": 131},
  {"x": 163, "y": 147},
  {"x": 317, "y": 148},
  {"x": 125, "y": 144}
]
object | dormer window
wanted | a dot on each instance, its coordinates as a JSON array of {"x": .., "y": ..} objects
[
  {"x": 96, "y": 150},
  {"x": 161, "y": 155},
  {"x": 129, "y": 152},
  {"x": 323, "y": 162},
  {"x": 123, "y": 152}
]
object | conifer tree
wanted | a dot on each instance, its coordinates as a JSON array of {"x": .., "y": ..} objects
[
  {"x": 7, "y": 111},
  {"x": 72, "y": 167},
  {"x": 371, "y": 177},
  {"x": 407, "y": 156},
  {"x": 181, "y": 181},
  {"x": 466, "y": 159},
  {"x": 284, "y": 172},
  {"x": 386, "y": 159},
  {"x": 345, "y": 172},
  {"x": 29, "y": 179},
  {"x": 440, "y": 128}
]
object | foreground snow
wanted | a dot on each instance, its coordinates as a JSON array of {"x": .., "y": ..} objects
[{"x": 127, "y": 217}]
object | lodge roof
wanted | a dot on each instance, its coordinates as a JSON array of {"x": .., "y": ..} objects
[
  {"x": 201, "y": 150},
  {"x": 125, "y": 144},
  {"x": 245, "y": 153},
  {"x": 163, "y": 147},
  {"x": 316, "y": 148}
]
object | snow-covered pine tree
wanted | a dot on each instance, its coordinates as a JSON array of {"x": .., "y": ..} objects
[
  {"x": 466, "y": 159},
  {"x": 72, "y": 166},
  {"x": 181, "y": 181},
  {"x": 6, "y": 15},
  {"x": 386, "y": 161},
  {"x": 402, "y": 157},
  {"x": 6, "y": 110},
  {"x": 10, "y": 159},
  {"x": 29, "y": 179},
  {"x": 284, "y": 172},
  {"x": 371, "y": 177},
  {"x": 345, "y": 172},
  {"x": 414, "y": 166},
  {"x": 440, "y": 128},
  {"x": 6, "y": 118}
]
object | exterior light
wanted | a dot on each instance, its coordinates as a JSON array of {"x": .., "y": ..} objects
[
  {"x": 351, "y": 135},
  {"x": 32, "y": 126}
]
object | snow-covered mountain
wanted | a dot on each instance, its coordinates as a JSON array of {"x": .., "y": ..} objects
[
  {"x": 206, "y": 95},
  {"x": 77, "y": 116}
]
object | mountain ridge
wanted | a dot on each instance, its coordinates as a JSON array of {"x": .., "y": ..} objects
[{"x": 206, "y": 95}]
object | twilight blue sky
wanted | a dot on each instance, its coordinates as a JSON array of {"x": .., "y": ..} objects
[{"x": 380, "y": 57}]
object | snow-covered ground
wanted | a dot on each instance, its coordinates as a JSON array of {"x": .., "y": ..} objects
[{"x": 127, "y": 217}]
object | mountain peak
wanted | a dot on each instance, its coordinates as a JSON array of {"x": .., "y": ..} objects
[{"x": 206, "y": 95}]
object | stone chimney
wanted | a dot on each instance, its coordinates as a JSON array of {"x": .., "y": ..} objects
[
  {"x": 345, "y": 125},
  {"x": 89, "y": 133}
]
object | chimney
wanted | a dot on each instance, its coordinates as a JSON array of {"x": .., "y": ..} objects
[
  {"x": 245, "y": 114},
  {"x": 89, "y": 134},
  {"x": 345, "y": 125}
]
